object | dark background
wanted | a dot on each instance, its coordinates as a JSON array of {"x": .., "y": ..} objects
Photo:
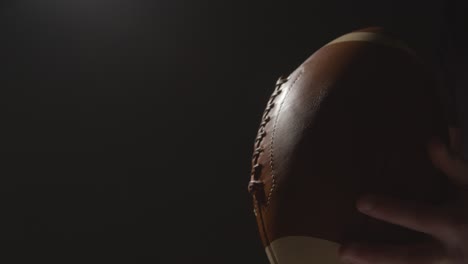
[{"x": 128, "y": 125}]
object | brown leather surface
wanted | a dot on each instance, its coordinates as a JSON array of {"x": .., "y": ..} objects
[{"x": 354, "y": 117}]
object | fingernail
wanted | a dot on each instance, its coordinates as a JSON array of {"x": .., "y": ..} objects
[{"x": 366, "y": 203}]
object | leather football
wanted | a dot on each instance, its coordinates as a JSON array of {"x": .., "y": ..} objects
[{"x": 354, "y": 118}]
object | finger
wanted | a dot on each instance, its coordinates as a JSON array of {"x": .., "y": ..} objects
[
  {"x": 437, "y": 222},
  {"x": 424, "y": 253},
  {"x": 453, "y": 166}
]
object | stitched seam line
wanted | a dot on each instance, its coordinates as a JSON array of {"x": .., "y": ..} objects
[{"x": 273, "y": 176}]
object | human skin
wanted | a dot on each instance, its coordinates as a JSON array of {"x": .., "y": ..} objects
[{"x": 447, "y": 225}]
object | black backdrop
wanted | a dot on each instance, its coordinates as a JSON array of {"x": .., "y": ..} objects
[{"x": 128, "y": 125}]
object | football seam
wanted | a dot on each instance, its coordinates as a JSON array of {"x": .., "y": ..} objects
[{"x": 273, "y": 176}]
